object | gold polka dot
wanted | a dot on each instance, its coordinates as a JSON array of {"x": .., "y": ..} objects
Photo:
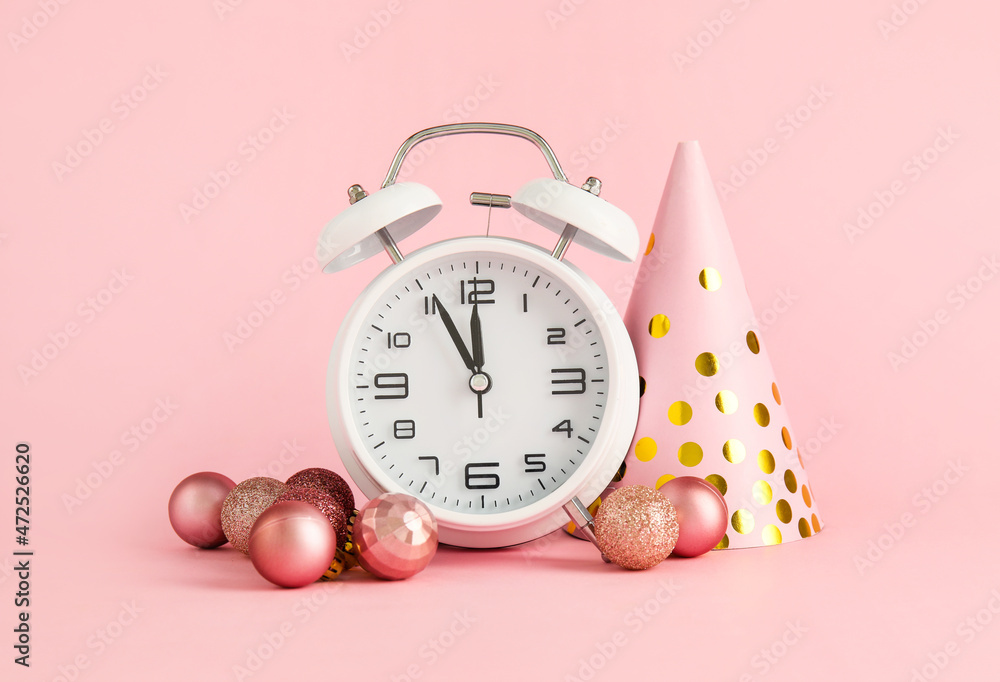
[
  {"x": 642, "y": 386},
  {"x": 645, "y": 449},
  {"x": 594, "y": 506},
  {"x": 663, "y": 479},
  {"x": 734, "y": 451},
  {"x": 659, "y": 326},
  {"x": 806, "y": 496},
  {"x": 679, "y": 413},
  {"x": 726, "y": 402},
  {"x": 786, "y": 437},
  {"x": 765, "y": 460},
  {"x": 761, "y": 415},
  {"x": 690, "y": 454},
  {"x": 790, "y": 481},
  {"x": 753, "y": 343},
  {"x": 710, "y": 279},
  {"x": 762, "y": 492},
  {"x": 816, "y": 526},
  {"x": 742, "y": 521},
  {"x": 771, "y": 535},
  {"x": 775, "y": 393},
  {"x": 620, "y": 474},
  {"x": 798, "y": 452},
  {"x": 784, "y": 511},
  {"x": 719, "y": 482},
  {"x": 706, "y": 364},
  {"x": 723, "y": 543},
  {"x": 652, "y": 240},
  {"x": 804, "y": 530}
]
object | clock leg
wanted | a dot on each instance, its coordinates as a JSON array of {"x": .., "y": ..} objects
[{"x": 579, "y": 515}]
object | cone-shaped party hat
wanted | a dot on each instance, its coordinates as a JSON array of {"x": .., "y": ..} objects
[{"x": 710, "y": 405}]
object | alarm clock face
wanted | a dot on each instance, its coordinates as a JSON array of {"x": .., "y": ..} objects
[{"x": 488, "y": 379}]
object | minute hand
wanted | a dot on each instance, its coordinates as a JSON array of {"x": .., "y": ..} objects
[
  {"x": 477, "y": 340},
  {"x": 455, "y": 336}
]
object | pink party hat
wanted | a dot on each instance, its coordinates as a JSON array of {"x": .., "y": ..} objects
[{"x": 710, "y": 405}]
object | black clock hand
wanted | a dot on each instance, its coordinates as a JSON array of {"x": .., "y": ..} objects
[
  {"x": 455, "y": 336},
  {"x": 477, "y": 339}
]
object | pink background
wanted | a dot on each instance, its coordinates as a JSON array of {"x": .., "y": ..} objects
[{"x": 601, "y": 81}]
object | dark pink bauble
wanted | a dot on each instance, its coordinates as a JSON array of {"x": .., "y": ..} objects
[
  {"x": 396, "y": 536},
  {"x": 701, "y": 512},
  {"x": 195, "y": 509},
  {"x": 330, "y": 507},
  {"x": 292, "y": 544},
  {"x": 329, "y": 482}
]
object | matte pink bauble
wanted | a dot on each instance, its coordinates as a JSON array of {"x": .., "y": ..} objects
[
  {"x": 292, "y": 544},
  {"x": 701, "y": 512},
  {"x": 195, "y": 509},
  {"x": 396, "y": 536}
]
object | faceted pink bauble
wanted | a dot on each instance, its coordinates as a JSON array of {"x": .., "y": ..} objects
[
  {"x": 195, "y": 509},
  {"x": 292, "y": 544},
  {"x": 701, "y": 512},
  {"x": 396, "y": 535}
]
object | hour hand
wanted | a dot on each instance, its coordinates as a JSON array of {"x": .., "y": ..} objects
[{"x": 455, "y": 336}]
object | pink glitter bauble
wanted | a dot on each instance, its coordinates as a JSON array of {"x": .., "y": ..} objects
[
  {"x": 636, "y": 527},
  {"x": 331, "y": 509},
  {"x": 244, "y": 504},
  {"x": 292, "y": 544},
  {"x": 396, "y": 536},
  {"x": 195, "y": 509},
  {"x": 701, "y": 513},
  {"x": 327, "y": 481}
]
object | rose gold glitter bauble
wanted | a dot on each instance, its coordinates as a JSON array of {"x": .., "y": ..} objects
[
  {"x": 195, "y": 509},
  {"x": 327, "y": 481},
  {"x": 701, "y": 513},
  {"x": 636, "y": 527},
  {"x": 396, "y": 536},
  {"x": 244, "y": 504},
  {"x": 322, "y": 501},
  {"x": 292, "y": 544}
]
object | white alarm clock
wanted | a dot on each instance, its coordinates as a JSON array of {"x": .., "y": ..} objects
[{"x": 486, "y": 376}]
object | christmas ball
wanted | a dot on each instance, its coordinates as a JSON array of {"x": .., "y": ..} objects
[
  {"x": 332, "y": 510},
  {"x": 636, "y": 527},
  {"x": 396, "y": 536},
  {"x": 292, "y": 544},
  {"x": 327, "y": 481},
  {"x": 244, "y": 504},
  {"x": 195, "y": 509},
  {"x": 701, "y": 513}
]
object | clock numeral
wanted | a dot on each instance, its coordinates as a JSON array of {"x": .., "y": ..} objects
[
  {"x": 398, "y": 383},
  {"x": 557, "y": 336},
  {"x": 534, "y": 463},
  {"x": 430, "y": 305},
  {"x": 404, "y": 429},
  {"x": 475, "y": 290},
  {"x": 437, "y": 463},
  {"x": 481, "y": 481},
  {"x": 565, "y": 426},
  {"x": 578, "y": 381},
  {"x": 397, "y": 340}
]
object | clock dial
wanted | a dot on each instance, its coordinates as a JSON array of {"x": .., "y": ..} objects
[{"x": 478, "y": 382}]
